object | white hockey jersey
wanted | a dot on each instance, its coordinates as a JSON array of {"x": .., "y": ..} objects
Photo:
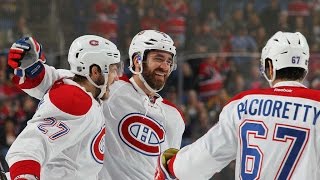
[
  {"x": 271, "y": 133},
  {"x": 65, "y": 136},
  {"x": 137, "y": 131}
]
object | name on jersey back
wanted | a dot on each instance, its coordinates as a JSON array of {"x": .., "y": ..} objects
[{"x": 279, "y": 109}]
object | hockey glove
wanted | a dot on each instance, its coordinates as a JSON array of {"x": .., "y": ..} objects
[
  {"x": 162, "y": 171},
  {"x": 26, "y": 57}
]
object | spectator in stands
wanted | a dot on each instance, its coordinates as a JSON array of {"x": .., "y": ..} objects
[
  {"x": 283, "y": 21},
  {"x": 315, "y": 82},
  {"x": 206, "y": 40},
  {"x": 316, "y": 27},
  {"x": 269, "y": 17},
  {"x": 298, "y": 8},
  {"x": 254, "y": 24},
  {"x": 188, "y": 77},
  {"x": 261, "y": 37},
  {"x": 210, "y": 79},
  {"x": 236, "y": 20},
  {"x": 214, "y": 23},
  {"x": 196, "y": 117},
  {"x": 150, "y": 20},
  {"x": 21, "y": 29},
  {"x": 243, "y": 43},
  {"x": 29, "y": 106},
  {"x": 10, "y": 132},
  {"x": 301, "y": 26},
  {"x": 106, "y": 22},
  {"x": 175, "y": 24}
]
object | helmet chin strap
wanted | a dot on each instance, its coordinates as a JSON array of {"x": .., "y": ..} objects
[
  {"x": 147, "y": 85},
  {"x": 139, "y": 73},
  {"x": 103, "y": 88},
  {"x": 270, "y": 81}
]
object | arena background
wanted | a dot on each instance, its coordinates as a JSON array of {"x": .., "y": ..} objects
[{"x": 219, "y": 44}]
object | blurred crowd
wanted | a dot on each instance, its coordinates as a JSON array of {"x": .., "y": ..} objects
[{"x": 218, "y": 44}]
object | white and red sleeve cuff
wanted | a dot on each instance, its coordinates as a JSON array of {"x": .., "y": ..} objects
[{"x": 25, "y": 167}]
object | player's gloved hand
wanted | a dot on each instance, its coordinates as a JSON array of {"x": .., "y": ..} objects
[
  {"x": 26, "y": 57},
  {"x": 162, "y": 171}
]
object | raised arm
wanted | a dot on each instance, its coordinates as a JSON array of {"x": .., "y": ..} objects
[{"x": 30, "y": 73}]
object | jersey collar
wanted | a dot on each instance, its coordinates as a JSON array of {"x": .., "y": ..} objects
[
  {"x": 156, "y": 97},
  {"x": 289, "y": 83}
]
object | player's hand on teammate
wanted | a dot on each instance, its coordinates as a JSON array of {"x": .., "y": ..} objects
[
  {"x": 26, "y": 57},
  {"x": 162, "y": 171}
]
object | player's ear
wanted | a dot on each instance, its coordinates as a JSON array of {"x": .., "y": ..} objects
[
  {"x": 269, "y": 68},
  {"x": 95, "y": 71},
  {"x": 137, "y": 62}
]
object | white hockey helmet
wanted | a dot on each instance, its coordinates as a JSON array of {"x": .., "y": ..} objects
[
  {"x": 285, "y": 49},
  {"x": 89, "y": 50},
  {"x": 150, "y": 40}
]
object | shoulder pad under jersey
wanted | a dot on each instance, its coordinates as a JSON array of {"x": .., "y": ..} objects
[{"x": 70, "y": 99}]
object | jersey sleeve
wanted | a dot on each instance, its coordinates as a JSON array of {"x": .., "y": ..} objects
[
  {"x": 38, "y": 86},
  {"x": 209, "y": 154},
  {"x": 52, "y": 129}
]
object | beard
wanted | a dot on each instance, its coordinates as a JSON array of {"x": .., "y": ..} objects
[{"x": 151, "y": 77}]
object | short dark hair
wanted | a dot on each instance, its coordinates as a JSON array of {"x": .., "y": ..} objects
[
  {"x": 78, "y": 78},
  {"x": 291, "y": 73},
  {"x": 288, "y": 73}
]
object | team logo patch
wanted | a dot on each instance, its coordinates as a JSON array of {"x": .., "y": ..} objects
[
  {"x": 94, "y": 42},
  {"x": 97, "y": 146},
  {"x": 141, "y": 133}
]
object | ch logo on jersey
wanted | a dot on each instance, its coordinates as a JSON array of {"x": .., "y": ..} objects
[
  {"x": 97, "y": 146},
  {"x": 141, "y": 133}
]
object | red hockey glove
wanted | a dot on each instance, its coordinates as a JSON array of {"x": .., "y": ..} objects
[
  {"x": 162, "y": 171},
  {"x": 26, "y": 57}
]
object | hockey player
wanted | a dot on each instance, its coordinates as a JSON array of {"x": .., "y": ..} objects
[
  {"x": 65, "y": 137},
  {"x": 271, "y": 133},
  {"x": 146, "y": 124}
]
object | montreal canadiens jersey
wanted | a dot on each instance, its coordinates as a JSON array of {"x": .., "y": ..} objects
[
  {"x": 137, "y": 132},
  {"x": 271, "y": 133},
  {"x": 65, "y": 135}
]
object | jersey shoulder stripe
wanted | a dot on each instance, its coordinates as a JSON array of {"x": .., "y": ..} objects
[
  {"x": 288, "y": 91},
  {"x": 70, "y": 99}
]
